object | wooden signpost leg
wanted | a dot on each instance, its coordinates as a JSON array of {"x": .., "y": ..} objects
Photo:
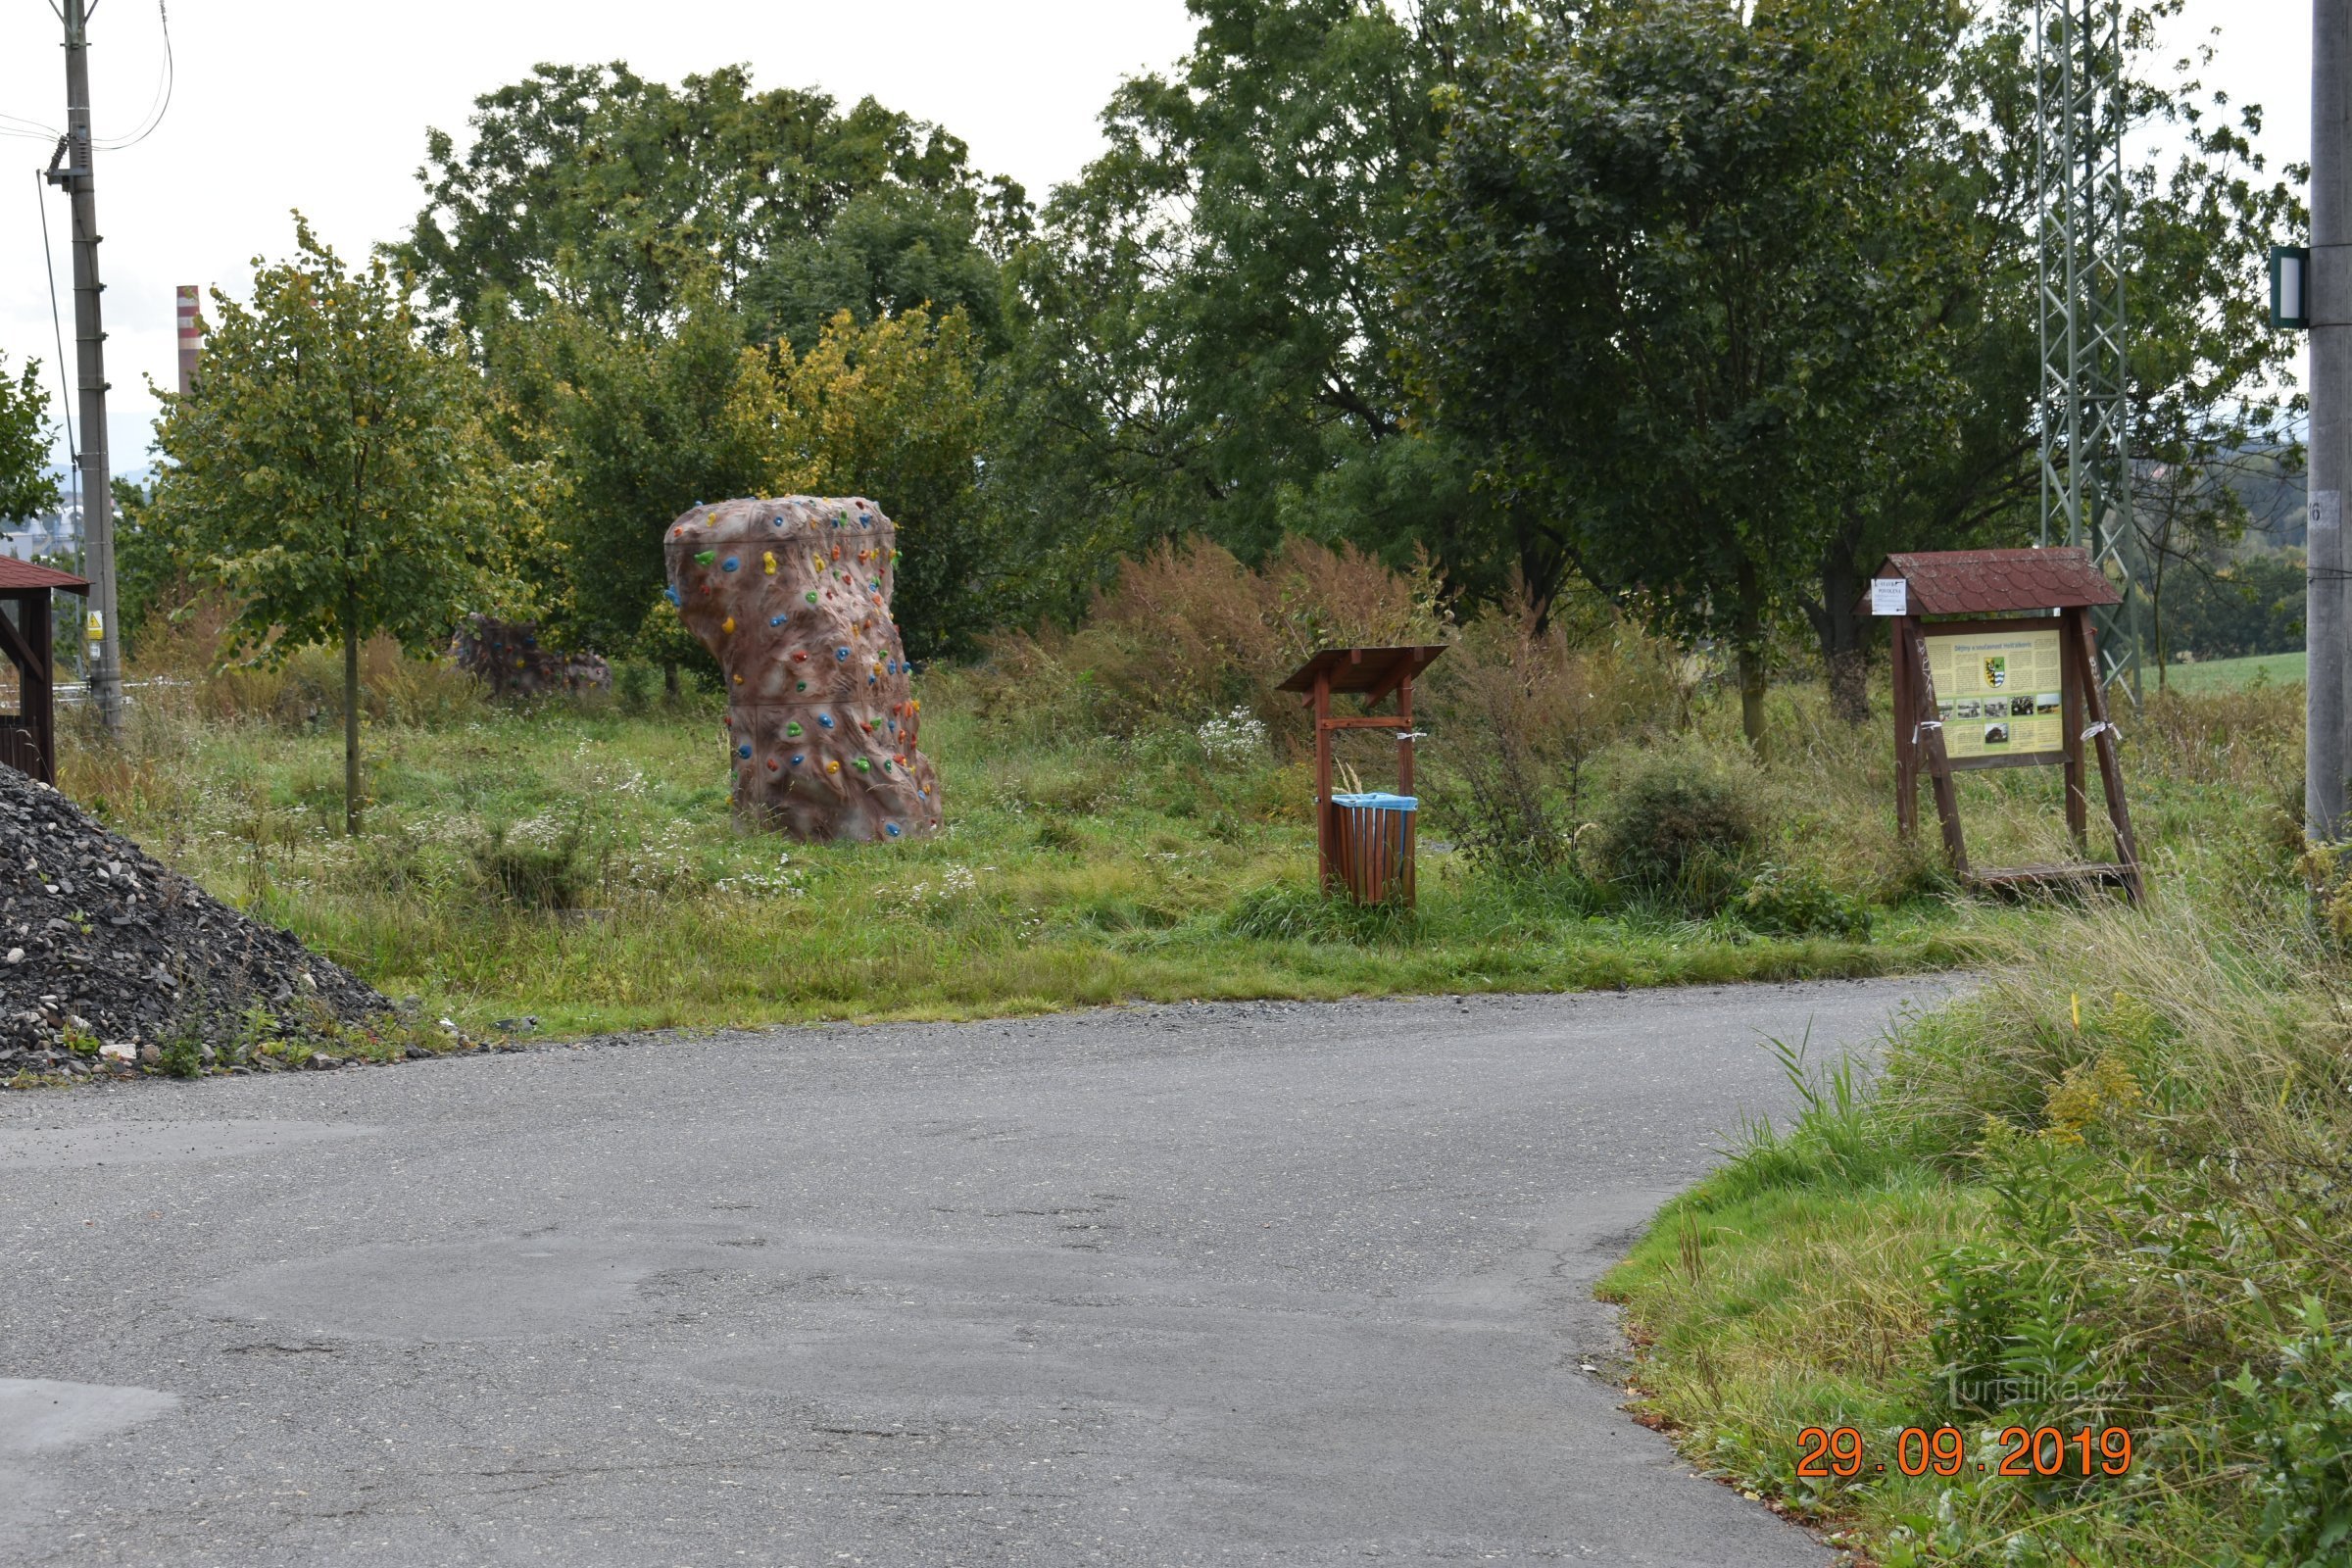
[
  {"x": 2070, "y": 714},
  {"x": 1906, "y": 728},
  {"x": 1325, "y": 847},
  {"x": 1930, "y": 732},
  {"x": 2085, "y": 651}
]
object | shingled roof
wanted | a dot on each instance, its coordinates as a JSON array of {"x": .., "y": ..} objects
[
  {"x": 15, "y": 576},
  {"x": 1976, "y": 582}
]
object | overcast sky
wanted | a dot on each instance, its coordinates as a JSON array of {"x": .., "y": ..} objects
[{"x": 281, "y": 105}]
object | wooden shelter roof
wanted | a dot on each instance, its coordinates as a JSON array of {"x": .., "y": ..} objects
[
  {"x": 20, "y": 576},
  {"x": 1364, "y": 669},
  {"x": 1974, "y": 582}
]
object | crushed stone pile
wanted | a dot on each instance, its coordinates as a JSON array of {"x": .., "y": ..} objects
[{"x": 101, "y": 943}]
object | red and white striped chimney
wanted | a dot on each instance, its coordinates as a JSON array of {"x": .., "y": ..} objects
[{"x": 191, "y": 336}]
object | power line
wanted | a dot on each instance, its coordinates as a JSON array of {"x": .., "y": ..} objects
[
  {"x": 57, "y": 325},
  {"x": 158, "y": 104}
]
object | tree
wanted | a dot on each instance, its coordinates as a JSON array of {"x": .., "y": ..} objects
[
  {"x": 2205, "y": 368},
  {"x": 590, "y": 187},
  {"x": 636, "y": 426},
  {"x": 1667, "y": 276},
  {"x": 327, "y": 472},
  {"x": 1207, "y": 343},
  {"x": 27, "y": 486},
  {"x": 894, "y": 411}
]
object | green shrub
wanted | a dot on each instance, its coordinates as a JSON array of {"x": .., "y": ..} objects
[
  {"x": 539, "y": 864},
  {"x": 1795, "y": 901},
  {"x": 1678, "y": 827}
]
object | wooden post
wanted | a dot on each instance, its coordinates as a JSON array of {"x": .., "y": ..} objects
[
  {"x": 2085, "y": 649},
  {"x": 2077, "y": 794},
  {"x": 1906, "y": 730},
  {"x": 1929, "y": 726},
  {"x": 1325, "y": 846}
]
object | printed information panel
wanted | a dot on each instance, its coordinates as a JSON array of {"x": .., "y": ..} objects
[{"x": 1999, "y": 693}]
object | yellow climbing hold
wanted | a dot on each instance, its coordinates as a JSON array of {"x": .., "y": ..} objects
[
  {"x": 728, "y": 625},
  {"x": 768, "y": 559}
]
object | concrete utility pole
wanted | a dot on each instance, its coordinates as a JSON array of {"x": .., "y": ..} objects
[
  {"x": 2325, "y": 762},
  {"x": 70, "y": 169}
]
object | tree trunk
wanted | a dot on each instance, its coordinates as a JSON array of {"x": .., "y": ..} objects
[
  {"x": 350, "y": 716},
  {"x": 1751, "y": 661},
  {"x": 1840, "y": 630},
  {"x": 669, "y": 679}
]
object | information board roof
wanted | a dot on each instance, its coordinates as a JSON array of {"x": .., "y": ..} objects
[{"x": 1976, "y": 582}]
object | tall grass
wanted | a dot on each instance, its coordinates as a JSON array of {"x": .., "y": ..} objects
[{"x": 2112, "y": 1188}]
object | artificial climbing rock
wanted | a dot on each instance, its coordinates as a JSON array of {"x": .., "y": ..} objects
[{"x": 793, "y": 597}]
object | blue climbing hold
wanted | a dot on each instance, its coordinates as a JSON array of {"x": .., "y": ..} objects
[
  {"x": 824, "y": 721},
  {"x": 730, "y": 565},
  {"x": 797, "y": 758},
  {"x": 842, "y": 653},
  {"x": 671, "y": 594},
  {"x": 775, "y": 621},
  {"x": 743, "y": 751},
  {"x": 890, "y": 828}
]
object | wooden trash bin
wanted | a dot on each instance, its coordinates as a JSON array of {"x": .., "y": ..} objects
[
  {"x": 1364, "y": 843},
  {"x": 1373, "y": 836}
]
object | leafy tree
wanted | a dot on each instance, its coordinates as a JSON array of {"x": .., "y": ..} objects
[
  {"x": 1666, "y": 277},
  {"x": 27, "y": 486},
  {"x": 2205, "y": 370},
  {"x": 1207, "y": 343},
  {"x": 636, "y": 427},
  {"x": 894, "y": 410},
  {"x": 590, "y": 187},
  {"x": 328, "y": 471}
]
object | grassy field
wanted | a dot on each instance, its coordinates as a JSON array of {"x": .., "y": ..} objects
[
  {"x": 2236, "y": 675},
  {"x": 577, "y": 861}
]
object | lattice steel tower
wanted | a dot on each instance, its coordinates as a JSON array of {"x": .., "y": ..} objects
[{"x": 2084, "y": 412}]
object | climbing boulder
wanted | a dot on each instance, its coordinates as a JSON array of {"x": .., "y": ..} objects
[{"x": 793, "y": 597}]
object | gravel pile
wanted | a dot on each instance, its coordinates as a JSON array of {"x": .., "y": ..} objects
[{"x": 101, "y": 943}]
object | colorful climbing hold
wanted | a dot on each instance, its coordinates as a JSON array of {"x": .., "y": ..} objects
[
  {"x": 671, "y": 594},
  {"x": 775, "y": 621},
  {"x": 727, "y": 625},
  {"x": 865, "y": 767},
  {"x": 703, "y": 557},
  {"x": 731, "y": 563},
  {"x": 832, "y": 767},
  {"x": 800, "y": 686},
  {"x": 793, "y": 729},
  {"x": 890, "y": 828},
  {"x": 743, "y": 751},
  {"x": 767, "y": 562},
  {"x": 797, "y": 758},
  {"x": 824, "y": 721},
  {"x": 811, "y": 597},
  {"x": 842, "y": 653}
]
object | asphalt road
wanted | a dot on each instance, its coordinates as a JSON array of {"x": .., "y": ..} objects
[{"x": 1249, "y": 1283}]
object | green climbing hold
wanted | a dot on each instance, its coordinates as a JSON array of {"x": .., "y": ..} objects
[
  {"x": 793, "y": 729},
  {"x": 865, "y": 767},
  {"x": 703, "y": 557}
]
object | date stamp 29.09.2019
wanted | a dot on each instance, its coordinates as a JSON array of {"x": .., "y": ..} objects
[{"x": 1839, "y": 1453}]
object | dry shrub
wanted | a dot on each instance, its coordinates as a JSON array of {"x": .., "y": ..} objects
[
  {"x": 181, "y": 671},
  {"x": 1189, "y": 632},
  {"x": 1519, "y": 712}
]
